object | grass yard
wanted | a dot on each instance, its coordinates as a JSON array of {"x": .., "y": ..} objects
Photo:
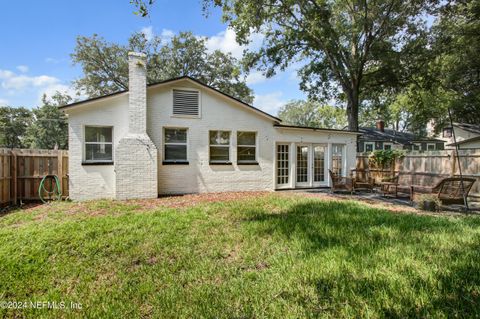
[{"x": 262, "y": 256}]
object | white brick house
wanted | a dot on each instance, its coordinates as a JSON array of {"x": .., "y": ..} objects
[{"x": 181, "y": 136}]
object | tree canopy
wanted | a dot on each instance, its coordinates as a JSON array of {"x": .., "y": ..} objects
[
  {"x": 345, "y": 45},
  {"x": 313, "y": 114},
  {"x": 105, "y": 64},
  {"x": 14, "y": 122}
]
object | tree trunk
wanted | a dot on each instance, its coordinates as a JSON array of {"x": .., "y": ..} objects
[{"x": 352, "y": 110}]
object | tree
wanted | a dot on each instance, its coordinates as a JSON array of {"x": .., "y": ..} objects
[
  {"x": 105, "y": 64},
  {"x": 314, "y": 114},
  {"x": 49, "y": 129},
  {"x": 456, "y": 69},
  {"x": 14, "y": 122},
  {"x": 345, "y": 44}
]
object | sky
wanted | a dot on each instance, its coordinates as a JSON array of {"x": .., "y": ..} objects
[{"x": 37, "y": 38}]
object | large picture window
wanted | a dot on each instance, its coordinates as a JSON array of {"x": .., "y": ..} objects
[
  {"x": 175, "y": 145},
  {"x": 98, "y": 144},
  {"x": 219, "y": 146},
  {"x": 246, "y": 147}
]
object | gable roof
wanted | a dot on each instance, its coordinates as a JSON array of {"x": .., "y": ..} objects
[
  {"x": 160, "y": 83},
  {"x": 468, "y": 140},
  {"x": 389, "y": 135},
  {"x": 472, "y": 128}
]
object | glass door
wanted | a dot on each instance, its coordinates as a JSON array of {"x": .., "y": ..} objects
[
  {"x": 283, "y": 165},
  {"x": 302, "y": 171},
  {"x": 318, "y": 164}
]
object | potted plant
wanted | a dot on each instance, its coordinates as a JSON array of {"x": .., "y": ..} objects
[{"x": 428, "y": 202}]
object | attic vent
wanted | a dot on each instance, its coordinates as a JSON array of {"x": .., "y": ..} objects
[{"x": 186, "y": 102}]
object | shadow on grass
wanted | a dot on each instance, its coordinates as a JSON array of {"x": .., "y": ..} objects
[{"x": 396, "y": 265}]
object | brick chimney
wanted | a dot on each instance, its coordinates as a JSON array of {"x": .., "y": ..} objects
[
  {"x": 137, "y": 95},
  {"x": 136, "y": 155},
  {"x": 380, "y": 125}
]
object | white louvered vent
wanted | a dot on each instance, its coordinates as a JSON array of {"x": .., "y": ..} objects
[{"x": 186, "y": 102}]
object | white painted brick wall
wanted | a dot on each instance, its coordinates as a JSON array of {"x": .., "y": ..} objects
[
  {"x": 136, "y": 167},
  {"x": 217, "y": 113},
  {"x": 92, "y": 182},
  {"x": 135, "y": 154}
]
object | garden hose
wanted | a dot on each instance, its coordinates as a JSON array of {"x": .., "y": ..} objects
[{"x": 55, "y": 193}]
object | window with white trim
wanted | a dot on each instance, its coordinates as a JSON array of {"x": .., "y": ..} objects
[
  {"x": 219, "y": 146},
  {"x": 417, "y": 146},
  {"x": 98, "y": 144},
  {"x": 431, "y": 147},
  {"x": 175, "y": 145},
  {"x": 387, "y": 146},
  {"x": 246, "y": 147},
  {"x": 186, "y": 103},
  {"x": 369, "y": 147}
]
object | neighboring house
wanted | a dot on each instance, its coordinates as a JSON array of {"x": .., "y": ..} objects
[
  {"x": 181, "y": 136},
  {"x": 468, "y": 144},
  {"x": 466, "y": 135},
  {"x": 381, "y": 138}
]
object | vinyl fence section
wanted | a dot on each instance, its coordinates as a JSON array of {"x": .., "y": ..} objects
[
  {"x": 427, "y": 168},
  {"x": 21, "y": 171}
]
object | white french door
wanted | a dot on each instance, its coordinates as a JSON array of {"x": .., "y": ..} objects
[
  {"x": 303, "y": 170},
  {"x": 310, "y": 165},
  {"x": 318, "y": 164}
]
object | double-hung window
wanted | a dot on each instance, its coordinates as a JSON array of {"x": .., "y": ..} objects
[
  {"x": 246, "y": 147},
  {"x": 219, "y": 147},
  {"x": 98, "y": 144},
  {"x": 175, "y": 145}
]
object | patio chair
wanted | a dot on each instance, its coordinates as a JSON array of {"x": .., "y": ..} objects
[
  {"x": 340, "y": 183},
  {"x": 365, "y": 182},
  {"x": 389, "y": 185},
  {"x": 448, "y": 190}
]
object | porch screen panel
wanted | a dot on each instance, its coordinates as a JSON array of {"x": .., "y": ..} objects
[
  {"x": 302, "y": 164},
  {"x": 337, "y": 159},
  {"x": 319, "y": 163},
  {"x": 282, "y": 164}
]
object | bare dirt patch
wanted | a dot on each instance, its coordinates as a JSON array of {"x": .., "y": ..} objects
[{"x": 190, "y": 200}]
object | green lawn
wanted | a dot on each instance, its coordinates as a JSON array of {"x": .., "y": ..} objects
[{"x": 274, "y": 256}]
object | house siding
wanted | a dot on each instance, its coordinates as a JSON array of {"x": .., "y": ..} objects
[
  {"x": 94, "y": 181},
  {"x": 217, "y": 113}
]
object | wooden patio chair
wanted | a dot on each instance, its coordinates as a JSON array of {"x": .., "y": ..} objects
[
  {"x": 340, "y": 183},
  {"x": 448, "y": 190},
  {"x": 390, "y": 186},
  {"x": 365, "y": 182}
]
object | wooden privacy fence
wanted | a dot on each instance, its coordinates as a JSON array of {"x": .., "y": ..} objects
[
  {"x": 21, "y": 171},
  {"x": 427, "y": 168}
]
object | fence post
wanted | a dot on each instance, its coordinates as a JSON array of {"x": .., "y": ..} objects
[
  {"x": 454, "y": 164},
  {"x": 14, "y": 176},
  {"x": 60, "y": 168}
]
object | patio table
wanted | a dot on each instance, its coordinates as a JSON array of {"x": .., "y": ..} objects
[{"x": 389, "y": 188}]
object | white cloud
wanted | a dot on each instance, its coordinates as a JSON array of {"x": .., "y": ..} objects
[
  {"x": 12, "y": 81},
  {"x": 22, "y": 68},
  {"x": 54, "y": 88},
  {"x": 148, "y": 32},
  {"x": 270, "y": 103},
  {"x": 255, "y": 78},
  {"x": 226, "y": 42},
  {"x": 18, "y": 85},
  {"x": 3, "y": 102},
  {"x": 167, "y": 34},
  {"x": 53, "y": 60}
]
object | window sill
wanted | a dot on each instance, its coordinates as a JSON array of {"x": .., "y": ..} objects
[
  {"x": 220, "y": 163},
  {"x": 175, "y": 163},
  {"x": 96, "y": 163},
  {"x": 247, "y": 163}
]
